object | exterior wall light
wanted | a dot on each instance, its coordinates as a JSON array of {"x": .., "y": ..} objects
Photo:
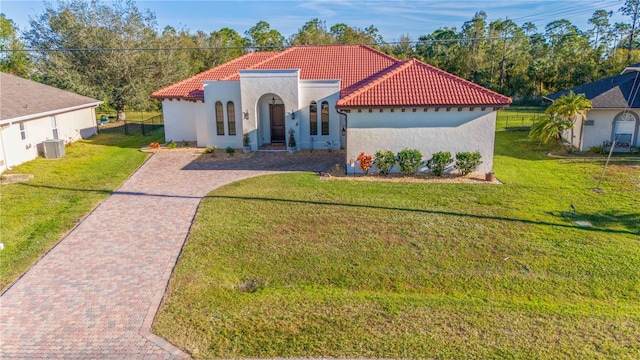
[
  {"x": 344, "y": 131},
  {"x": 245, "y": 115},
  {"x": 293, "y": 115}
]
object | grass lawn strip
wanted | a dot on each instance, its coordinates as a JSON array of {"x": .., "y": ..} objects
[
  {"x": 35, "y": 214},
  {"x": 350, "y": 269}
]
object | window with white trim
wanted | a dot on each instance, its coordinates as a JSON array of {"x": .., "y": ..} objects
[
  {"x": 219, "y": 118},
  {"x": 231, "y": 118},
  {"x": 23, "y": 131},
  {"x": 54, "y": 127},
  {"x": 624, "y": 127},
  {"x": 313, "y": 118},
  {"x": 325, "y": 118}
]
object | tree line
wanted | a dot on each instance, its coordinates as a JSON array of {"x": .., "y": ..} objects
[{"x": 116, "y": 52}]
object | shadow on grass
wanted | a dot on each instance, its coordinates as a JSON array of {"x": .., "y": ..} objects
[
  {"x": 628, "y": 220},
  {"x": 605, "y": 218},
  {"x": 116, "y": 136},
  {"x": 426, "y": 211}
]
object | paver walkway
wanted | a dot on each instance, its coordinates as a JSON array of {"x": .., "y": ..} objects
[{"x": 95, "y": 294}]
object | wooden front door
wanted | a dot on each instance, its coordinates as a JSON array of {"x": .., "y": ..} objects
[{"x": 277, "y": 123}]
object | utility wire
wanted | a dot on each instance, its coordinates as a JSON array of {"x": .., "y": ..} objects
[{"x": 414, "y": 42}]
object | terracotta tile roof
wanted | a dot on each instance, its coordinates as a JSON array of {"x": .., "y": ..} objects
[
  {"x": 414, "y": 83},
  {"x": 368, "y": 77},
  {"x": 22, "y": 98},
  {"x": 349, "y": 63},
  {"x": 193, "y": 89}
]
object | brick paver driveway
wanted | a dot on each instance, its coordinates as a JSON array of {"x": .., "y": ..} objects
[{"x": 95, "y": 294}]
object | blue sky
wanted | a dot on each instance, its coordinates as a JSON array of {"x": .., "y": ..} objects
[{"x": 392, "y": 18}]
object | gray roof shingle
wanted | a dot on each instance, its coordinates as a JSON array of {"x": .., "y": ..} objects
[
  {"x": 21, "y": 98},
  {"x": 618, "y": 91}
]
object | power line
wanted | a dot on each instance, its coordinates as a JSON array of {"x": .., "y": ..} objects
[{"x": 251, "y": 48}]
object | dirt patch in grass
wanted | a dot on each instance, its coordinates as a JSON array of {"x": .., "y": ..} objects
[{"x": 14, "y": 178}]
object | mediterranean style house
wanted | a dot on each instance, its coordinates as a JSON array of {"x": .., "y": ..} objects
[
  {"x": 614, "y": 114},
  {"x": 32, "y": 113},
  {"x": 331, "y": 97}
]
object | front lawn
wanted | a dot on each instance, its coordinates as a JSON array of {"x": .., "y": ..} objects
[
  {"x": 294, "y": 266},
  {"x": 35, "y": 214}
]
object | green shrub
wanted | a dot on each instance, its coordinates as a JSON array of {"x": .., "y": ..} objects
[
  {"x": 439, "y": 162},
  {"x": 384, "y": 161},
  {"x": 597, "y": 150},
  {"x": 209, "y": 150},
  {"x": 230, "y": 150},
  {"x": 246, "y": 141},
  {"x": 172, "y": 144},
  {"x": 409, "y": 160},
  {"x": 467, "y": 161}
]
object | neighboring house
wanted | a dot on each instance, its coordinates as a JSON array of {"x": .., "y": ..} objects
[
  {"x": 343, "y": 96},
  {"x": 31, "y": 113},
  {"x": 614, "y": 115}
]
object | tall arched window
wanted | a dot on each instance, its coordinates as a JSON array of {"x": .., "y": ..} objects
[
  {"x": 219, "y": 118},
  {"x": 325, "y": 118},
  {"x": 231, "y": 118},
  {"x": 624, "y": 126},
  {"x": 313, "y": 118}
]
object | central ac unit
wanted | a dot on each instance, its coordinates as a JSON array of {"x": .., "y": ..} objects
[{"x": 53, "y": 149}]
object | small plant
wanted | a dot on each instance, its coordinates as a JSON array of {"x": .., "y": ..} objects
[
  {"x": 155, "y": 145},
  {"x": 365, "y": 162},
  {"x": 597, "y": 150},
  {"x": 409, "y": 161},
  {"x": 467, "y": 162},
  {"x": 439, "y": 162},
  {"x": 185, "y": 143},
  {"x": 384, "y": 161},
  {"x": 246, "y": 141},
  {"x": 292, "y": 139},
  {"x": 172, "y": 144},
  {"x": 230, "y": 150},
  {"x": 209, "y": 150}
]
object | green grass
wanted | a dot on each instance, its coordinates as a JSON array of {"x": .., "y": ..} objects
[
  {"x": 132, "y": 116},
  {"x": 366, "y": 269},
  {"x": 35, "y": 214},
  {"x": 518, "y": 116}
]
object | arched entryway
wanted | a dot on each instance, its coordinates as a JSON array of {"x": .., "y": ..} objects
[{"x": 271, "y": 119}]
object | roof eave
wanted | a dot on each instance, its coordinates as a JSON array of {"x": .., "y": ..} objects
[{"x": 49, "y": 113}]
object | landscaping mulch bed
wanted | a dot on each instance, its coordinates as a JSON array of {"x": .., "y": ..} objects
[{"x": 418, "y": 178}]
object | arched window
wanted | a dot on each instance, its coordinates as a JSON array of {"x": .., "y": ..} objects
[
  {"x": 624, "y": 126},
  {"x": 313, "y": 118},
  {"x": 231, "y": 118},
  {"x": 219, "y": 118},
  {"x": 325, "y": 118}
]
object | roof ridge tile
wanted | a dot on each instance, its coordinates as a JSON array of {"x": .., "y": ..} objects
[
  {"x": 212, "y": 70},
  {"x": 277, "y": 54}
]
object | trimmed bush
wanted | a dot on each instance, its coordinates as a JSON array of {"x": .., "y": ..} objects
[
  {"x": 384, "y": 161},
  {"x": 439, "y": 162},
  {"x": 409, "y": 161},
  {"x": 467, "y": 161}
]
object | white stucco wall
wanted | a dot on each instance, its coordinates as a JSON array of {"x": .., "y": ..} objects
[
  {"x": 319, "y": 91},
  {"x": 179, "y": 120},
  {"x": 429, "y": 132},
  {"x": 602, "y": 128},
  {"x": 223, "y": 91},
  {"x": 72, "y": 126},
  {"x": 257, "y": 88}
]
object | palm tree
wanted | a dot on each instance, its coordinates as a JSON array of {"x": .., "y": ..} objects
[
  {"x": 562, "y": 116},
  {"x": 549, "y": 129}
]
